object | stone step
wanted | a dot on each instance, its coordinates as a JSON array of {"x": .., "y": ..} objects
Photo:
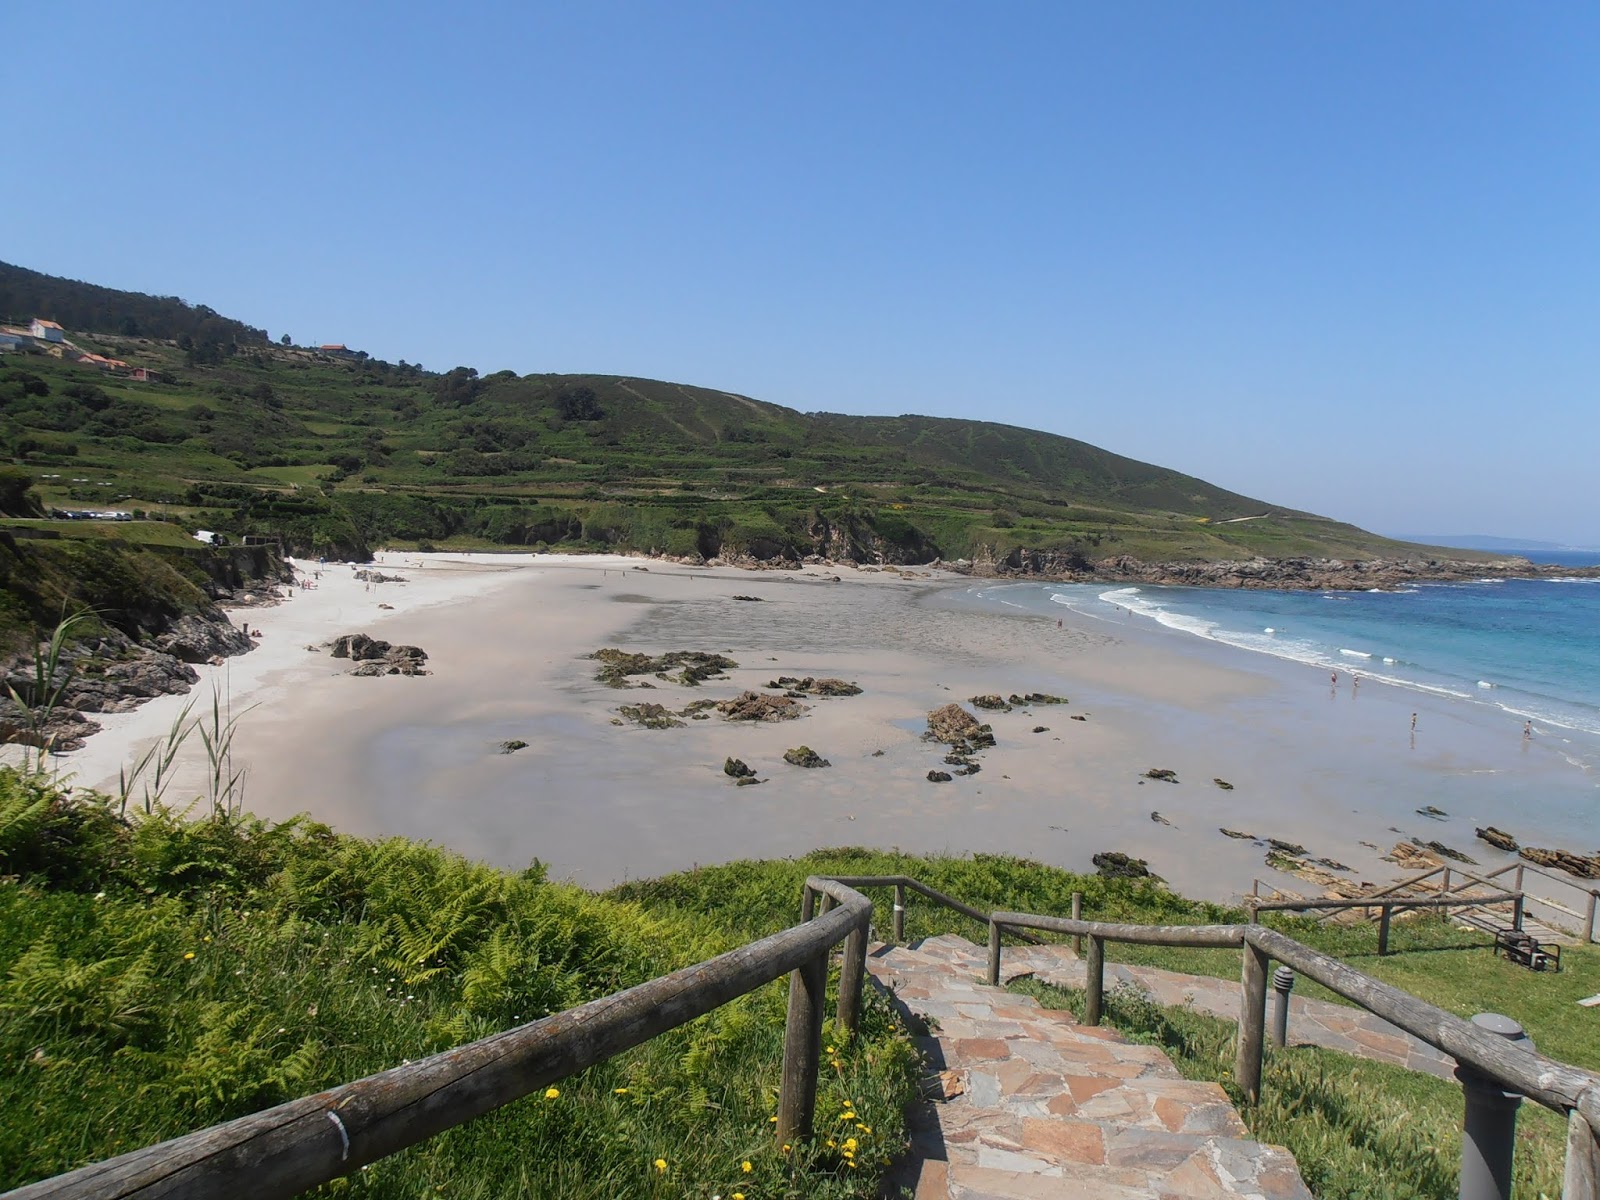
[{"x": 1027, "y": 1103}]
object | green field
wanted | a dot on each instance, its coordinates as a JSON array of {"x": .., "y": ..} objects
[{"x": 342, "y": 456}]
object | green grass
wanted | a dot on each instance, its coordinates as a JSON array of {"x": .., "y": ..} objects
[
  {"x": 136, "y": 533},
  {"x": 162, "y": 975},
  {"x": 1357, "y": 1129}
]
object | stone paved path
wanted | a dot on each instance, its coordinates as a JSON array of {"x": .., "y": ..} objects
[
  {"x": 1029, "y": 1105},
  {"x": 1311, "y": 1022}
]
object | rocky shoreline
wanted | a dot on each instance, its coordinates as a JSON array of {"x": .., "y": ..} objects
[
  {"x": 114, "y": 671},
  {"x": 1281, "y": 574}
]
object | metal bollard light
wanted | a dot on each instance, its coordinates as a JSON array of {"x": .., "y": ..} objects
[
  {"x": 1490, "y": 1129},
  {"x": 1282, "y": 983}
]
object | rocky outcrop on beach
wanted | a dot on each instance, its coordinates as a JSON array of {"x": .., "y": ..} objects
[
  {"x": 736, "y": 768},
  {"x": 959, "y": 729},
  {"x": 1498, "y": 838},
  {"x": 805, "y": 756},
  {"x": 374, "y": 656},
  {"x": 1112, "y": 864},
  {"x": 688, "y": 667},
  {"x": 795, "y": 687},
  {"x": 753, "y": 706},
  {"x": 1584, "y": 866}
]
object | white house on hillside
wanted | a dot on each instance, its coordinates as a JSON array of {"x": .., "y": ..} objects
[{"x": 48, "y": 331}]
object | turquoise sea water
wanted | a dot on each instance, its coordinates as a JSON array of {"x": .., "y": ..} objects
[{"x": 1529, "y": 647}]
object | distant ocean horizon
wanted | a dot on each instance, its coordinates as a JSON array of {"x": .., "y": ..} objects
[{"x": 1527, "y": 647}]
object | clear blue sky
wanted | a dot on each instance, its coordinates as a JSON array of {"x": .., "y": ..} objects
[{"x": 1342, "y": 257}]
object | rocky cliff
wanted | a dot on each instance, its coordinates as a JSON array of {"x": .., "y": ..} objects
[{"x": 152, "y": 614}]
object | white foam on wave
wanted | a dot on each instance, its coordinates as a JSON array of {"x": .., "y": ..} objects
[{"x": 1272, "y": 641}]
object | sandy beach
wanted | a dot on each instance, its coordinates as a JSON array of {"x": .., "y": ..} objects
[{"x": 599, "y": 802}]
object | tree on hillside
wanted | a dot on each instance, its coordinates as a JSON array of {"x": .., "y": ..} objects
[{"x": 17, "y": 498}]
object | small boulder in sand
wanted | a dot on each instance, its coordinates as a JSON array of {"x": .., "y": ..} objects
[
  {"x": 1235, "y": 833},
  {"x": 805, "y": 756},
  {"x": 991, "y": 702},
  {"x": 1498, "y": 838},
  {"x": 735, "y": 768},
  {"x": 1166, "y": 775},
  {"x": 1017, "y": 701},
  {"x": 1041, "y": 729},
  {"x": 748, "y": 780},
  {"x": 939, "y": 777},
  {"x": 1223, "y": 784},
  {"x": 1159, "y": 819},
  {"x": 1114, "y": 865},
  {"x": 512, "y": 746}
]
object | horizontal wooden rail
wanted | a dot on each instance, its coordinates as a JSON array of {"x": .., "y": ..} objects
[
  {"x": 922, "y": 889},
  {"x": 1226, "y": 936},
  {"x": 1452, "y": 901},
  {"x": 282, "y": 1151}
]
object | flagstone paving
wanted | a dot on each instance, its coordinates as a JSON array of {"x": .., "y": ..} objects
[
  {"x": 1311, "y": 1022},
  {"x": 1025, "y": 1104}
]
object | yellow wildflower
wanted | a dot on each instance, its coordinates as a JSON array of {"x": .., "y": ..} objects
[
  {"x": 787, "y": 1147},
  {"x": 746, "y": 1166},
  {"x": 850, "y": 1145},
  {"x": 551, "y": 1093},
  {"x": 738, "y": 1196},
  {"x": 661, "y": 1165},
  {"x": 864, "y": 1127},
  {"x": 188, "y": 955},
  {"x": 619, "y": 1091}
]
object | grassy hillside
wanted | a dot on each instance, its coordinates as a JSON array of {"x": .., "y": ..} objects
[{"x": 341, "y": 454}]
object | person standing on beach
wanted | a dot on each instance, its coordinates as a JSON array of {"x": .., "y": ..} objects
[
  {"x": 1413, "y": 722},
  {"x": 1527, "y": 730},
  {"x": 1333, "y": 678}
]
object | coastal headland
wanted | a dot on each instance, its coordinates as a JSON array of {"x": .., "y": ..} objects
[{"x": 600, "y": 793}]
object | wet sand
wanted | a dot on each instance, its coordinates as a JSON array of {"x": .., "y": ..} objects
[{"x": 599, "y": 803}]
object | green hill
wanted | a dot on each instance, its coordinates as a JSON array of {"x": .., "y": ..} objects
[{"x": 337, "y": 454}]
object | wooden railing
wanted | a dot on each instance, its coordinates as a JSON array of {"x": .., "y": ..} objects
[
  {"x": 1456, "y": 879},
  {"x": 1387, "y": 905},
  {"x": 1496, "y": 1062},
  {"x": 282, "y": 1151}
]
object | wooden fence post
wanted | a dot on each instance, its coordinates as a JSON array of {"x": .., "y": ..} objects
[
  {"x": 994, "y": 953},
  {"x": 899, "y": 913},
  {"x": 1594, "y": 903},
  {"x": 1581, "y": 1180},
  {"x": 1094, "y": 983},
  {"x": 1516, "y": 913},
  {"x": 852, "y": 977},
  {"x": 1252, "y": 1023},
  {"x": 1383, "y": 929},
  {"x": 1077, "y": 915},
  {"x": 802, "y": 1049}
]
